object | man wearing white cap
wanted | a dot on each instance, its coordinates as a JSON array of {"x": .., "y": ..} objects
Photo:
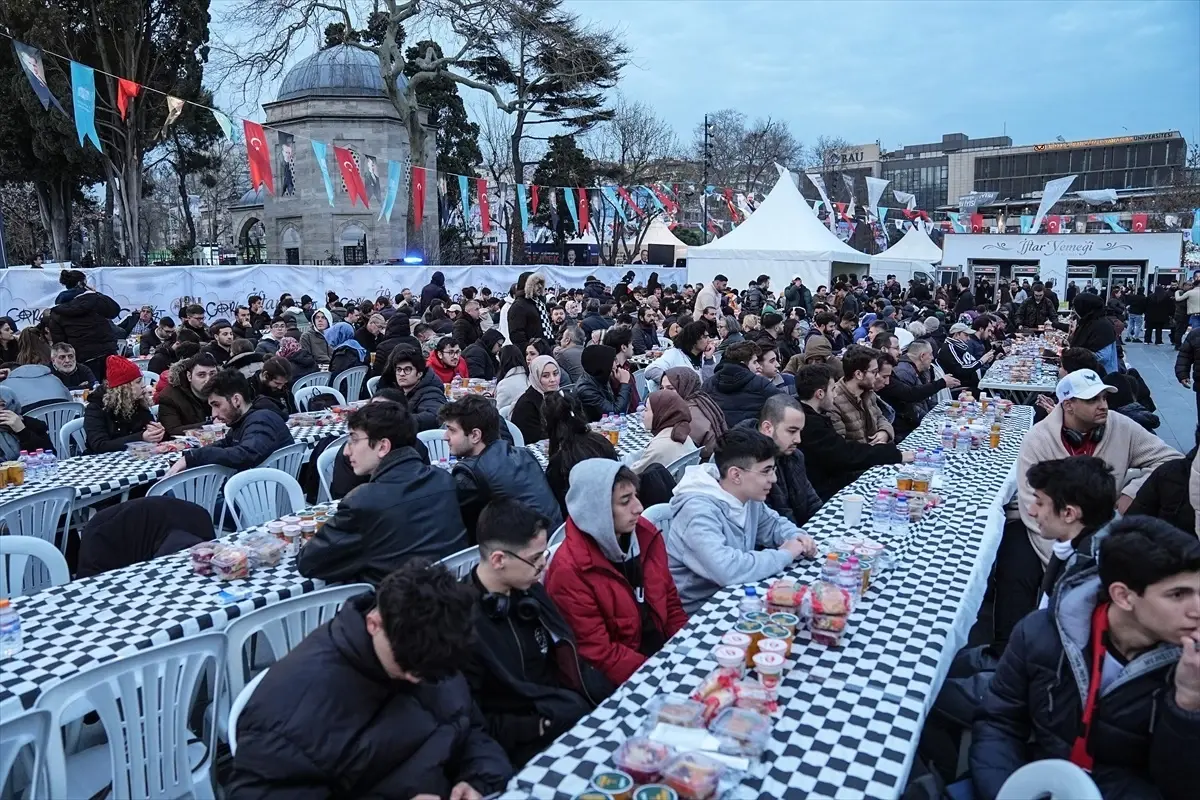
[{"x": 955, "y": 358}]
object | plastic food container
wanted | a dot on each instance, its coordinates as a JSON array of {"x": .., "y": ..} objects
[
  {"x": 618, "y": 784},
  {"x": 308, "y": 529},
  {"x": 784, "y": 620},
  {"x": 716, "y": 690},
  {"x": 264, "y": 550},
  {"x": 693, "y": 775},
  {"x": 202, "y": 556},
  {"x": 676, "y": 709},
  {"x": 761, "y": 617},
  {"x": 727, "y": 657},
  {"x": 593, "y": 794},
  {"x": 742, "y": 732},
  {"x": 784, "y": 596},
  {"x": 141, "y": 451},
  {"x": 752, "y": 694},
  {"x": 655, "y": 791},
  {"x": 292, "y": 534},
  {"x": 231, "y": 563},
  {"x": 769, "y": 667},
  {"x": 275, "y": 529},
  {"x": 739, "y": 640},
  {"x": 753, "y": 629},
  {"x": 290, "y": 520},
  {"x": 777, "y": 646},
  {"x": 642, "y": 758}
]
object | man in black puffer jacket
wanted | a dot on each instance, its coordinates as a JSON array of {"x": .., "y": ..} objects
[
  {"x": 423, "y": 390},
  {"x": 256, "y": 428},
  {"x": 736, "y": 387},
  {"x": 1110, "y": 642},
  {"x": 85, "y": 322},
  {"x": 792, "y": 496},
  {"x": 528, "y": 317},
  {"x": 482, "y": 356},
  {"x": 385, "y": 712},
  {"x": 594, "y": 389},
  {"x": 434, "y": 290}
]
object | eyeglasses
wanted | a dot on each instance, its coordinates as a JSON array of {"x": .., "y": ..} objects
[
  {"x": 359, "y": 439},
  {"x": 537, "y": 563},
  {"x": 408, "y": 370}
]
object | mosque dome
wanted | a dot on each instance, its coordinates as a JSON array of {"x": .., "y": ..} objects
[
  {"x": 254, "y": 197},
  {"x": 340, "y": 71}
]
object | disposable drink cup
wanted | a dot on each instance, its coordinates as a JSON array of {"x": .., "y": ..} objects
[
  {"x": 852, "y": 506},
  {"x": 769, "y": 667}
]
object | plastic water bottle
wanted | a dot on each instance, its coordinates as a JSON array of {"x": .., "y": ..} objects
[
  {"x": 39, "y": 457},
  {"x": 850, "y": 579},
  {"x": 831, "y": 568},
  {"x": 948, "y": 437},
  {"x": 963, "y": 441},
  {"x": 27, "y": 465},
  {"x": 921, "y": 459},
  {"x": 453, "y": 460},
  {"x": 881, "y": 513},
  {"x": 50, "y": 463},
  {"x": 900, "y": 516},
  {"x": 938, "y": 461},
  {"x": 10, "y": 630},
  {"x": 750, "y": 602}
]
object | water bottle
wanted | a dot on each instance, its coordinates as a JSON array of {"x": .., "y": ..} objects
[
  {"x": 900, "y": 516},
  {"x": 850, "y": 579},
  {"x": 881, "y": 512},
  {"x": 10, "y": 630},
  {"x": 453, "y": 460},
  {"x": 50, "y": 463},
  {"x": 948, "y": 437},
  {"x": 856, "y": 568},
  {"x": 963, "y": 441},
  {"x": 27, "y": 465},
  {"x": 39, "y": 462},
  {"x": 939, "y": 461},
  {"x": 750, "y": 602},
  {"x": 831, "y": 568},
  {"x": 921, "y": 459}
]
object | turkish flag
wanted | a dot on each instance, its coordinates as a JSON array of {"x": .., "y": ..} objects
[
  {"x": 624, "y": 193},
  {"x": 126, "y": 91},
  {"x": 1053, "y": 224},
  {"x": 350, "y": 174},
  {"x": 1139, "y": 223},
  {"x": 533, "y": 197},
  {"x": 258, "y": 156},
  {"x": 485, "y": 213},
  {"x": 977, "y": 223},
  {"x": 418, "y": 196},
  {"x": 584, "y": 213}
]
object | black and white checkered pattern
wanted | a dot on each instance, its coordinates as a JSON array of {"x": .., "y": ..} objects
[
  {"x": 311, "y": 434},
  {"x": 634, "y": 439},
  {"x": 850, "y": 716},
  {"x": 96, "y": 476},
  {"x": 71, "y": 627}
]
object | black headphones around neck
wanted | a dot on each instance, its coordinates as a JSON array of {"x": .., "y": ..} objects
[
  {"x": 1077, "y": 439},
  {"x": 499, "y": 606}
]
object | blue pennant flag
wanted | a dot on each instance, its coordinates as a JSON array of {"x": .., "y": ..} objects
[
  {"x": 465, "y": 198},
  {"x": 1196, "y": 226},
  {"x": 393, "y": 189},
  {"x": 83, "y": 82},
  {"x": 958, "y": 226},
  {"x": 610, "y": 194},
  {"x": 882, "y": 215},
  {"x": 654, "y": 198},
  {"x": 1113, "y": 221},
  {"x": 30, "y": 59},
  {"x": 320, "y": 149},
  {"x": 1026, "y": 223},
  {"x": 570, "y": 195},
  {"x": 524, "y": 204}
]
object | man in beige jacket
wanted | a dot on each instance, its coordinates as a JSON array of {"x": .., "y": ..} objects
[{"x": 1190, "y": 293}]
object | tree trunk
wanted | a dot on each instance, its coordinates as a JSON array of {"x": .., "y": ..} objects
[
  {"x": 54, "y": 209},
  {"x": 516, "y": 235},
  {"x": 108, "y": 249},
  {"x": 187, "y": 212}
]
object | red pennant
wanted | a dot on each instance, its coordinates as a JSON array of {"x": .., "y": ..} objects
[
  {"x": 977, "y": 223},
  {"x": 533, "y": 197},
  {"x": 625, "y": 196},
  {"x": 1053, "y": 224},
  {"x": 584, "y": 214},
  {"x": 350, "y": 174},
  {"x": 259, "y": 157},
  {"x": 418, "y": 196},
  {"x": 485, "y": 215},
  {"x": 1139, "y": 223},
  {"x": 665, "y": 199},
  {"x": 126, "y": 91}
]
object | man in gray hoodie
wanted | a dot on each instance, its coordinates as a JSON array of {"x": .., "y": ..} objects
[{"x": 719, "y": 517}]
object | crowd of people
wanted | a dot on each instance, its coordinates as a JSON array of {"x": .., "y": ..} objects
[{"x": 788, "y": 397}]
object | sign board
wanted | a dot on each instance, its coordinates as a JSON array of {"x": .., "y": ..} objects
[{"x": 1141, "y": 137}]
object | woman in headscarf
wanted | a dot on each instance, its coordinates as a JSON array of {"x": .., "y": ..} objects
[
  {"x": 19, "y": 433},
  {"x": 707, "y": 419},
  {"x": 347, "y": 352},
  {"x": 1094, "y": 331},
  {"x": 314, "y": 339},
  {"x": 301, "y": 360},
  {"x": 544, "y": 378},
  {"x": 513, "y": 377},
  {"x": 668, "y": 417}
]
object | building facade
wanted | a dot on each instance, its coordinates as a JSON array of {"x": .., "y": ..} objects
[{"x": 926, "y": 169}]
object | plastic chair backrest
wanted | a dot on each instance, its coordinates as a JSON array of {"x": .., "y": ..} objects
[
  {"x": 288, "y": 458},
  {"x": 27, "y": 729},
  {"x": 144, "y": 702},
  {"x": 659, "y": 516},
  {"x": 506, "y": 411},
  {"x": 149, "y": 378},
  {"x": 304, "y": 396},
  {"x": 677, "y": 467},
  {"x": 311, "y": 379},
  {"x": 235, "y": 711},
  {"x": 71, "y": 439},
  {"x": 253, "y": 496},
  {"x": 373, "y": 385},
  {"x": 154, "y": 411},
  {"x": 325, "y": 467},
  {"x": 518, "y": 437},
  {"x": 639, "y": 380},
  {"x": 37, "y": 514},
  {"x": 436, "y": 443},
  {"x": 558, "y": 536},
  {"x": 55, "y": 415},
  {"x": 462, "y": 562},
  {"x": 1059, "y": 779},
  {"x": 199, "y": 485},
  {"x": 349, "y": 382},
  {"x": 19, "y": 576}
]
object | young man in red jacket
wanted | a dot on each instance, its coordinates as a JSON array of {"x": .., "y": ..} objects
[{"x": 611, "y": 577}]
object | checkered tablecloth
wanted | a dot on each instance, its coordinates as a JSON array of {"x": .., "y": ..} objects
[
  {"x": 88, "y": 621},
  {"x": 996, "y": 380},
  {"x": 96, "y": 476},
  {"x": 311, "y": 434},
  {"x": 850, "y": 716},
  {"x": 634, "y": 439}
]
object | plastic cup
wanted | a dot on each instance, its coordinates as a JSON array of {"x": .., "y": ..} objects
[
  {"x": 738, "y": 640},
  {"x": 730, "y": 657},
  {"x": 769, "y": 667},
  {"x": 852, "y": 506},
  {"x": 776, "y": 646}
]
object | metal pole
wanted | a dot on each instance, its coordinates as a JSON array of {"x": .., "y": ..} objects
[
  {"x": 3, "y": 252},
  {"x": 704, "y": 187}
]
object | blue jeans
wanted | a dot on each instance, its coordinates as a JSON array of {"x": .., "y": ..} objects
[
  {"x": 1194, "y": 321},
  {"x": 1136, "y": 325}
]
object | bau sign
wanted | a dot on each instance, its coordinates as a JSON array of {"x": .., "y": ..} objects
[{"x": 853, "y": 157}]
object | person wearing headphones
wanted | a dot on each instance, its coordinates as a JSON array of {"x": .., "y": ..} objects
[{"x": 526, "y": 673}]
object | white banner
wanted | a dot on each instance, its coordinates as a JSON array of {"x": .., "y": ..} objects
[
  {"x": 819, "y": 182},
  {"x": 909, "y": 199},
  {"x": 1053, "y": 192},
  {"x": 875, "y": 187},
  {"x": 1095, "y": 197}
]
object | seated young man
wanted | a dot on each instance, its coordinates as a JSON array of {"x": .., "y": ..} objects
[
  {"x": 489, "y": 467},
  {"x": 256, "y": 429},
  {"x": 610, "y": 576},
  {"x": 406, "y": 510},
  {"x": 1108, "y": 676},
  {"x": 372, "y": 703},
  {"x": 719, "y": 519},
  {"x": 792, "y": 496},
  {"x": 528, "y": 675},
  {"x": 184, "y": 407}
]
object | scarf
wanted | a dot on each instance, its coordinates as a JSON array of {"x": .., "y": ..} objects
[
  {"x": 669, "y": 411},
  {"x": 687, "y": 386},
  {"x": 547, "y": 325},
  {"x": 535, "y": 372},
  {"x": 338, "y": 334},
  {"x": 10, "y": 445},
  {"x": 288, "y": 347}
]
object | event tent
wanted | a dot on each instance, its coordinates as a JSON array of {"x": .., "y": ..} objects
[
  {"x": 782, "y": 239},
  {"x": 658, "y": 233},
  {"x": 915, "y": 252}
]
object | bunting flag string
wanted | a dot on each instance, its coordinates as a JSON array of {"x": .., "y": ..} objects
[
  {"x": 624, "y": 193},
  {"x": 611, "y": 196},
  {"x": 35, "y": 72},
  {"x": 371, "y": 178},
  {"x": 523, "y": 205},
  {"x": 287, "y": 144},
  {"x": 258, "y": 157},
  {"x": 350, "y": 174},
  {"x": 485, "y": 216},
  {"x": 223, "y": 122},
  {"x": 83, "y": 83},
  {"x": 393, "y": 190},
  {"x": 174, "y": 109},
  {"x": 321, "y": 153},
  {"x": 584, "y": 214},
  {"x": 534, "y": 202},
  {"x": 464, "y": 198},
  {"x": 569, "y": 195},
  {"x": 658, "y": 203}
]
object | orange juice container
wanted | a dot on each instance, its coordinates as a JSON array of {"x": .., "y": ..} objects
[
  {"x": 904, "y": 481},
  {"x": 16, "y": 473},
  {"x": 994, "y": 438},
  {"x": 755, "y": 631},
  {"x": 773, "y": 631}
]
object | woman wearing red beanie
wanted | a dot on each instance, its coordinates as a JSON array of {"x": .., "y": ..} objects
[{"x": 118, "y": 413}]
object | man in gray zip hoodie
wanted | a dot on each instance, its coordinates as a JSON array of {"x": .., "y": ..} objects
[{"x": 719, "y": 518}]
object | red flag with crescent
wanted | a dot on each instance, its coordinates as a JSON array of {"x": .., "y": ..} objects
[
  {"x": 258, "y": 155},
  {"x": 350, "y": 174},
  {"x": 624, "y": 193},
  {"x": 1139, "y": 222},
  {"x": 485, "y": 212},
  {"x": 418, "y": 196},
  {"x": 126, "y": 91},
  {"x": 584, "y": 214},
  {"x": 533, "y": 197}
]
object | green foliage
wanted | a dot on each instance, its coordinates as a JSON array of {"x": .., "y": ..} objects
[
  {"x": 457, "y": 137},
  {"x": 689, "y": 236},
  {"x": 563, "y": 165}
]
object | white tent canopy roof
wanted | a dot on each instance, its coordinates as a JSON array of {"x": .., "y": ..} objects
[
  {"x": 914, "y": 246},
  {"x": 657, "y": 232}
]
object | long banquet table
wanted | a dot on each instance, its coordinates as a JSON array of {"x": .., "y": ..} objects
[{"x": 850, "y": 716}]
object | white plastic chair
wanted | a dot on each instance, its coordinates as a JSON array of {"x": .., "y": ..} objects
[
  {"x": 288, "y": 458},
  {"x": 154, "y": 411},
  {"x": 19, "y": 577},
  {"x": 235, "y": 710},
  {"x": 253, "y": 496},
  {"x": 462, "y": 562},
  {"x": 71, "y": 439},
  {"x": 639, "y": 381},
  {"x": 659, "y": 516},
  {"x": 27, "y": 729},
  {"x": 312, "y": 379},
  {"x": 506, "y": 411},
  {"x": 55, "y": 415},
  {"x": 1052, "y": 777},
  {"x": 373, "y": 385},
  {"x": 677, "y": 467},
  {"x": 436, "y": 443},
  {"x": 199, "y": 485},
  {"x": 349, "y": 382},
  {"x": 144, "y": 701},
  {"x": 325, "y": 467},
  {"x": 518, "y": 437},
  {"x": 304, "y": 396},
  {"x": 37, "y": 514},
  {"x": 558, "y": 536},
  {"x": 149, "y": 378}
]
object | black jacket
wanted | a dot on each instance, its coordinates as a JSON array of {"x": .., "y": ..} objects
[
  {"x": 467, "y": 330},
  {"x": 179, "y": 409},
  {"x": 218, "y": 352},
  {"x": 1034, "y": 314},
  {"x": 1138, "y": 303},
  {"x": 249, "y": 333},
  {"x": 85, "y": 322},
  {"x": 1160, "y": 307},
  {"x": 407, "y": 510},
  {"x": 965, "y": 302},
  {"x": 260, "y": 432},
  {"x": 955, "y": 359},
  {"x": 644, "y": 339},
  {"x": 283, "y": 398},
  {"x": 82, "y": 376},
  {"x": 424, "y": 399},
  {"x": 527, "y": 416},
  {"x": 434, "y": 290},
  {"x": 1187, "y": 363},
  {"x": 149, "y": 340},
  {"x": 524, "y": 321},
  {"x": 1165, "y": 494},
  {"x": 260, "y": 321},
  {"x": 368, "y": 340},
  {"x": 1142, "y": 743},
  {"x": 503, "y": 471},
  {"x": 597, "y": 397},
  {"x": 107, "y": 434},
  {"x": 592, "y": 322},
  {"x": 514, "y": 706},
  {"x": 792, "y": 495},
  {"x": 738, "y": 392},
  {"x": 358, "y": 733},
  {"x": 186, "y": 333},
  {"x": 912, "y": 394},
  {"x": 161, "y": 361},
  {"x": 480, "y": 361},
  {"x": 34, "y": 436},
  {"x": 835, "y": 461},
  {"x": 139, "y": 530}
]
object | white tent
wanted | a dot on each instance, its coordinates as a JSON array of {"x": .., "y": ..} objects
[
  {"x": 916, "y": 252},
  {"x": 657, "y": 232},
  {"x": 782, "y": 239}
]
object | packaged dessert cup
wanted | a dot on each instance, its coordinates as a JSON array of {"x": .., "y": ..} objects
[
  {"x": 741, "y": 731},
  {"x": 675, "y": 709},
  {"x": 693, "y": 775},
  {"x": 642, "y": 758}
]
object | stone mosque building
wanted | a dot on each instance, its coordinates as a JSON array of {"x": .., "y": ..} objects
[{"x": 335, "y": 96}]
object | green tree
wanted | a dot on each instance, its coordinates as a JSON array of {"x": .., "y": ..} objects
[
  {"x": 689, "y": 236},
  {"x": 564, "y": 165}
]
